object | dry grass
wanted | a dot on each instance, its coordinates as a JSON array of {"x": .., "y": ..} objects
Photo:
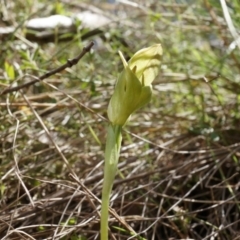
[{"x": 179, "y": 169}]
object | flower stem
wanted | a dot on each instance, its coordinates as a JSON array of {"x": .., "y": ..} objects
[{"x": 113, "y": 145}]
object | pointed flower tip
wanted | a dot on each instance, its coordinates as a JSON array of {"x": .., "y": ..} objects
[{"x": 123, "y": 59}]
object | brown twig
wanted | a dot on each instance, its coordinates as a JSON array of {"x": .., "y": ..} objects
[
  {"x": 69, "y": 63},
  {"x": 112, "y": 211}
]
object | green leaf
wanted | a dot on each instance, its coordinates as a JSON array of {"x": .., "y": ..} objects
[{"x": 9, "y": 70}]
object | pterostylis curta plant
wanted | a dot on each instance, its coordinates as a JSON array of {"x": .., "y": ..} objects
[{"x": 132, "y": 91}]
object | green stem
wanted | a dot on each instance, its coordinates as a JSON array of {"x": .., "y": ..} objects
[{"x": 113, "y": 145}]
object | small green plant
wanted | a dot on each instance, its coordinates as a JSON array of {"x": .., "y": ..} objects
[{"x": 133, "y": 90}]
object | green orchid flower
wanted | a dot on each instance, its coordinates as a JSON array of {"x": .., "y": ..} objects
[
  {"x": 132, "y": 91},
  {"x": 134, "y": 86}
]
